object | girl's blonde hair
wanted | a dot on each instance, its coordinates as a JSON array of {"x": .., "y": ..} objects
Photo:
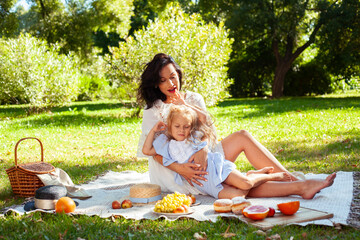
[{"x": 206, "y": 128}]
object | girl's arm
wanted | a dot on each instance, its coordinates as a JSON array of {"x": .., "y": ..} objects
[{"x": 148, "y": 148}]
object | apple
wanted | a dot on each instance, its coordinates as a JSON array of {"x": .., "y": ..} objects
[
  {"x": 186, "y": 207},
  {"x": 271, "y": 212},
  {"x": 116, "y": 204},
  {"x": 193, "y": 198},
  {"x": 126, "y": 204},
  {"x": 179, "y": 210}
]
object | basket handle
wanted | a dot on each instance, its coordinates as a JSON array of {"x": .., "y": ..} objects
[{"x": 42, "y": 149}]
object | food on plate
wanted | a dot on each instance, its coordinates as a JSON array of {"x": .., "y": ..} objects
[
  {"x": 289, "y": 208},
  {"x": 186, "y": 207},
  {"x": 116, "y": 204},
  {"x": 238, "y": 204},
  {"x": 172, "y": 201},
  {"x": 271, "y": 212},
  {"x": 65, "y": 204},
  {"x": 223, "y": 205},
  {"x": 256, "y": 212},
  {"x": 193, "y": 198},
  {"x": 180, "y": 209}
]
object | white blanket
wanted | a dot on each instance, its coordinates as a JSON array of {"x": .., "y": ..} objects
[{"x": 115, "y": 186}]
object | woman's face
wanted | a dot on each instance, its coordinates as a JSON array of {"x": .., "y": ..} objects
[
  {"x": 169, "y": 81},
  {"x": 180, "y": 127}
]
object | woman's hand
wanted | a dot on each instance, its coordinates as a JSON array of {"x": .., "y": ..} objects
[
  {"x": 200, "y": 158},
  {"x": 190, "y": 172},
  {"x": 177, "y": 99}
]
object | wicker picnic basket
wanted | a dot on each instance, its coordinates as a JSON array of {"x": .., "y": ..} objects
[{"x": 23, "y": 178}]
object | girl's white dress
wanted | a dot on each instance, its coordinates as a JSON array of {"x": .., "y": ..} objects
[
  {"x": 158, "y": 173},
  {"x": 180, "y": 151}
]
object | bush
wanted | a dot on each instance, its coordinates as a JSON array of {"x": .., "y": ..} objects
[
  {"x": 309, "y": 78},
  {"x": 202, "y": 50},
  {"x": 31, "y": 72},
  {"x": 93, "y": 83}
]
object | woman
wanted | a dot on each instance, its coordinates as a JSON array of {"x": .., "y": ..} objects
[{"x": 159, "y": 89}]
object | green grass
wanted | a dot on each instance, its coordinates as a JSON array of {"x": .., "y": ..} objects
[{"x": 309, "y": 134}]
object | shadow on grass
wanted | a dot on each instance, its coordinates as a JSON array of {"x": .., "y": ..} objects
[
  {"x": 19, "y": 111},
  {"x": 72, "y": 119},
  {"x": 278, "y": 106}
]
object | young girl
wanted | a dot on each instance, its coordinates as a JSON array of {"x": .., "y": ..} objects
[{"x": 186, "y": 135}]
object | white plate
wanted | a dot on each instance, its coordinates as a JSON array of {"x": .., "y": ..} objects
[
  {"x": 175, "y": 214},
  {"x": 196, "y": 203}
]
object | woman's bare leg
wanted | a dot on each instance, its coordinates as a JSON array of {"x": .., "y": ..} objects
[
  {"x": 306, "y": 189},
  {"x": 230, "y": 192},
  {"x": 255, "y": 152}
]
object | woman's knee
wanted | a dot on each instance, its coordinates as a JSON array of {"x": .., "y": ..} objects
[{"x": 243, "y": 134}]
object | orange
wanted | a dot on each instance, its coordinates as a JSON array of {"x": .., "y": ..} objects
[
  {"x": 256, "y": 212},
  {"x": 65, "y": 204},
  {"x": 289, "y": 208}
]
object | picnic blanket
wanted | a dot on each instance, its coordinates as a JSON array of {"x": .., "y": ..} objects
[{"x": 115, "y": 185}]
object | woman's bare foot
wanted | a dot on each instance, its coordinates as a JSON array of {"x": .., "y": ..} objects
[
  {"x": 280, "y": 176},
  {"x": 313, "y": 186},
  {"x": 265, "y": 170}
]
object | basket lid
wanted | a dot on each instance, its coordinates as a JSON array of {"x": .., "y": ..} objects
[{"x": 38, "y": 167}]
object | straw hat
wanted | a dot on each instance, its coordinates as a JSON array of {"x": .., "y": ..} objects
[{"x": 144, "y": 193}]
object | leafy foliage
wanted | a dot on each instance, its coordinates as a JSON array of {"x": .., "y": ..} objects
[
  {"x": 8, "y": 21},
  {"x": 252, "y": 70},
  {"x": 291, "y": 27},
  {"x": 202, "y": 50},
  {"x": 31, "y": 72},
  {"x": 339, "y": 41},
  {"x": 310, "y": 78},
  {"x": 72, "y": 23}
]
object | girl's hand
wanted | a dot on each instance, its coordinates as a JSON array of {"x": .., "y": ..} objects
[
  {"x": 200, "y": 158},
  {"x": 191, "y": 174},
  {"x": 159, "y": 126}
]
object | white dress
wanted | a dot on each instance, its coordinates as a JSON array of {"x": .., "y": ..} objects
[{"x": 159, "y": 174}]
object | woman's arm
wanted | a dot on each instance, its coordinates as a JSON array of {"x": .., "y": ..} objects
[
  {"x": 179, "y": 100},
  {"x": 189, "y": 171}
]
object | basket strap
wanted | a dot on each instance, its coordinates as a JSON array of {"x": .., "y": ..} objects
[{"x": 16, "y": 146}]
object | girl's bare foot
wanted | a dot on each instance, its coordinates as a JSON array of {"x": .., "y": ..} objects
[
  {"x": 281, "y": 176},
  {"x": 313, "y": 186},
  {"x": 265, "y": 170}
]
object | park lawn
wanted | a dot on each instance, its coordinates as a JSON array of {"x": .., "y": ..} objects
[{"x": 308, "y": 134}]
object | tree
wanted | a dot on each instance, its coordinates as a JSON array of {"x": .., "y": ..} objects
[
  {"x": 339, "y": 42},
  {"x": 291, "y": 26},
  {"x": 72, "y": 23},
  {"x": 8, "y": 21}
]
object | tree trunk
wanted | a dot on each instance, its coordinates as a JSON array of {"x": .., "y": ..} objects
[{"x": 278, "y": 85}]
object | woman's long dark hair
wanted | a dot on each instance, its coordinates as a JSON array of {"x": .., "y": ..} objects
[{"x": 148, "y": 90}]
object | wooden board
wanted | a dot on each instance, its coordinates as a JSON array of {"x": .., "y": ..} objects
[{"x": 302, "y": 215}]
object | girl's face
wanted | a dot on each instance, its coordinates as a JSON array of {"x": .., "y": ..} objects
[
  {"x": 169, "y": 81},
  {"x": 180, "y": 127}
]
